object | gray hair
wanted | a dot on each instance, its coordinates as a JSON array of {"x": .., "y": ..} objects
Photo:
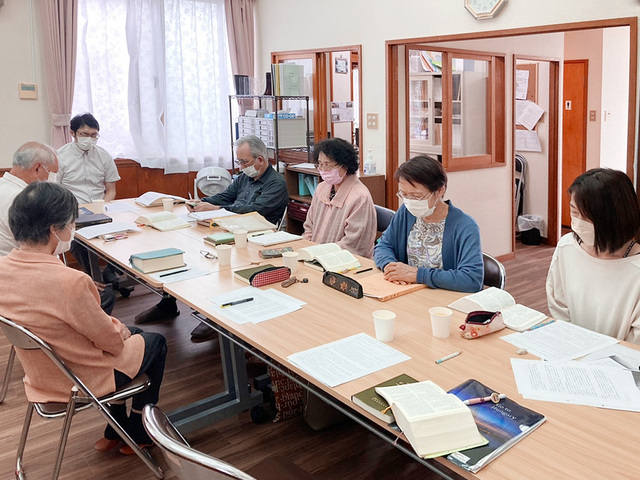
[
  {"x": 34, "y": 152},
  {"x": 256, "y": 146}
]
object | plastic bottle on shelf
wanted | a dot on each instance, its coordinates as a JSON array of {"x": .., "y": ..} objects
[{"x": 369, "y": 164}]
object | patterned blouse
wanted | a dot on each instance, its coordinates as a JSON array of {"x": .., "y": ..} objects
[{"x": 424, "y": 245}]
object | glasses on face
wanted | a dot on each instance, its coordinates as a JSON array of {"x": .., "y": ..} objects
[
  {"x": 87, "y": 135},
  {"x": 244, "y": 163},
  {"x": 208, "y": 255},
  {"x": 325, "y": 167},
  {"x": 402, "y": 196}
]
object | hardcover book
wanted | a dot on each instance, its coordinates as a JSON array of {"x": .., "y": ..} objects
[
  {"x": 503, "y": 424},
  {"x": 153, "y": 199},
  {"x": 86, "y": 218},
  {"x": 162, "y": 221},
  {"x": 373, "y": 403},
  {"x": 156, "y": 260},
  {"x": 219, "y": 238},
  {"x": 330, "y": 257}
]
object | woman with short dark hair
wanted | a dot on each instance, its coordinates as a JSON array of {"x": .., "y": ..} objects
[
  {"x": 594, "y": 277},
  {"x": 429, "y": 240},
  {"x": 342, "y": 210},
  {"x": 61, "y": 305}
]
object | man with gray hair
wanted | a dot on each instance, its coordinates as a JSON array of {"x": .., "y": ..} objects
[
  {"x": 32, "y": 162},
  {"x": 258, "y": 189}
]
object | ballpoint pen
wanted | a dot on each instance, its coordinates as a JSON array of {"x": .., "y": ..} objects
[
  {"x": 543, "y": 324},
  {"x": 364, "y": 270},
  {"x": 237, "y": 302},
  {"x": 448, "y": 357},
  {"x": 494, "y": 397},
  {"x": 174, "y": 273}
]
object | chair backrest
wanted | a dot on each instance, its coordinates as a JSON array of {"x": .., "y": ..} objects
[
  {"x": 384, "y": 216},
  {"x": 186, "y": 463},
  {"x": 495, "y": 274}
]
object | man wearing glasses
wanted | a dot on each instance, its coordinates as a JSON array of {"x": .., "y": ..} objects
[
  {"x": 86, "y": 169},
  {"x": 259, "y": 189}
]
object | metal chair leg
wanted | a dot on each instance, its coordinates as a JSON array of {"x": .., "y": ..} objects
[
  {"x": 64, "y": 434},
  {"x": 7, "y": 373},
  {"x": 23, "y": 441}
]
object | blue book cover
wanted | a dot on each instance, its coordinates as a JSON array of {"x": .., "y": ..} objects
[{"x": 503, "y": 424}]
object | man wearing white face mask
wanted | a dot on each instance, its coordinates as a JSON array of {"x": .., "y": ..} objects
[
  {"x": 86, "y": 169},
  {"x": 258, "y": 189},
  {"x": 32, "y": 162}
]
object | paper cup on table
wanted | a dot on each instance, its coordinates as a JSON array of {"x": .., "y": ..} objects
[
  {"x": 291, "y": 260},
  {"x": 383, "y": 321},
  {"x": 167, "y": 204},
  {"x": 440, "y": 321},
  {"x": 224, "y": 254},
  {"x": 97, "y": 206},
  {"x": 240, "y": 238}
]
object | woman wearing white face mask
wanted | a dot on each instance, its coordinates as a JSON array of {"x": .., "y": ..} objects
[
  {"x": 429, "y": 240},
  {"x": 342, "y": 210},
  {"x": 62, "y": 306},
  {"x": 594, "y": 277}
]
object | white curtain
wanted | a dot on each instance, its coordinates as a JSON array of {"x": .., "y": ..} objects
[{"x": 156, "y": 75}]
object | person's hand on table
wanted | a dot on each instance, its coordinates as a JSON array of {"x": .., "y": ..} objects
[
  {"x": 204, "y": 206},
  {"x": 400, "y": 273}
]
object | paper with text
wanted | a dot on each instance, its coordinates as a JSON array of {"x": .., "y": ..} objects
[
  {"x": 266, "y": 304},
  {"x": 94, "y": 231}
]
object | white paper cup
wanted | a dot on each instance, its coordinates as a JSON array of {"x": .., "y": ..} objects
[
  {"x": 224, "y": 254},
  {"x": 440, "y": 321},
  {"x": 291, "y": 261},
  {"x": 167, "y": 204},
  {"x": 97, "y": 206},
  {"x": 240, "y": 238},
  {"x": 383, "y": 321}
]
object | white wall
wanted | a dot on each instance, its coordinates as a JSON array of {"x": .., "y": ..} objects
[
  {"x": 615, "y": 74},
  {"x": 20, "y": 120}
]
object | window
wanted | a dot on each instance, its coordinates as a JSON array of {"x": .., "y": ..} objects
[
  {"x": 156, "y": 75},
  {"x": 455, "y": 107}
]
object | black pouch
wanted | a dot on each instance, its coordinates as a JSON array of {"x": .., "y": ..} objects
[{"x": 343, "y": 284}]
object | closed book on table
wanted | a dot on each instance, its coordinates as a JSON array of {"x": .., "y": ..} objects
[
  {"x": 373, "y": 403},
  {"x": 157, "y": 260},
  {"x": 219, "y": 238},
  {"x": 86, "y": 218}
]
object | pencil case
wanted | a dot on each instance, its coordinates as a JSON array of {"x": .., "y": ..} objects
[
  {"x": 480, "y": 322},
  {"x": 343, "y": 284},
  {"x": 269, "y": 276}
]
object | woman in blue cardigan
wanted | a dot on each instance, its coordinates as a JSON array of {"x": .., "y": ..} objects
[{"x": 429, "y": 240}]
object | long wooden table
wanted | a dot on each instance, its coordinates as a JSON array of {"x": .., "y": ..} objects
[{"x": 575, "y": 442}]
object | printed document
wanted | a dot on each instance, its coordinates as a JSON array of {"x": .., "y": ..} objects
[
  {"x": 265, "y": 305},
  {"x": 178, "y": 274},
  {"x": 120, "y": 207},
  {"x": 576, "y": 382},
  {"x": 94, "y": 231},
  {"x": 560, "y": 341},
  {"x": 347, "y": 359}
]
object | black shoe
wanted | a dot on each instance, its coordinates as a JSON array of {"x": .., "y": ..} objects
[
  {"x": 202, "y": 333},
  {"x": 154, "y": 314}
]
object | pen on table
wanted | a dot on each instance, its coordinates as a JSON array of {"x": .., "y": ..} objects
[
  {"x": 364, "y": 270},
  {"x": 494, "y": 397},
  {"x": 448, "y": 357},
  {"x": 174, "y": 273},
  {"x": 346, "y": 270},
  {"x": 237, "y": 302},
  {"x": 257, "y": 234},
  {"x": 542, "y": 324}
]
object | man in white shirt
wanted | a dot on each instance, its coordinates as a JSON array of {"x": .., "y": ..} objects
[
  {"x": 32, "y": 162},
  {"x": 86, "y": 169}
]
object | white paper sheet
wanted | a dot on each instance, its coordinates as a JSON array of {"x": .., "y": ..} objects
[
  {"x": 561, "y": 341},
  {"x": 209, "y": 214},
  {"x": 274, "y": 238},
  {"x": 527, "y": 141},
  {"x": 522, "y": 84},
  {"x": 530, "y": 115},
  {"x": 266, "y": 304},
  {"x": 120, "y": 207},
  {"x": 577, "y": 383},
  {"x": 347, "y": 359},
  {"x": 94, "y": 231},
  {"x": 618, "y": 355},
  {"x": 178, "y": 274}
]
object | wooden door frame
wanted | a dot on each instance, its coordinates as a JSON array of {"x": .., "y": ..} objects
[{"x": 552, "y": 149}]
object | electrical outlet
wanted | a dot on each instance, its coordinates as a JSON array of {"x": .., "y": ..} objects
[
  {"x": 372, "y": 121},
  {"x": 592, "y": 115}
]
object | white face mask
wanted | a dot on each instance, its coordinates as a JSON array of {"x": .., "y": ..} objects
[
  {"x": 585, "y": 230},
  {"x": 420, "y": 208},
  {"x": 86, "y": 143},
  {"x": 51, "y": 177},
  {"x": 250, "y": 171},
  {"x": 64, "y": 246}
]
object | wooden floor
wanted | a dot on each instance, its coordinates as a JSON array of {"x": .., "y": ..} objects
[{"x": 346, "y": 451}]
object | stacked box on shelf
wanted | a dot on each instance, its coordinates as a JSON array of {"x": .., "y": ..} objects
[
  {"x": 291, "y": 131},
  {"x": 246, "y": 126}
]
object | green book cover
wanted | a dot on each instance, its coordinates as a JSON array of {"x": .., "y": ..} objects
[
  {"x": 246, "y": 273},
  {"x": 374, "y": 403},
  {"x": 219, "y": 238}
]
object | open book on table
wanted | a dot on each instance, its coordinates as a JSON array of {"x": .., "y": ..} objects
[
  {"x": 329, "y": 257},
  {"x": 154, "y": 199},
  {"x": 435, "y": 423},
  {"x": 251, "y": 222},
  {"x": 516, "y": 317},
  {"x": 162, "y": 221},
  {"x": 503, "y": 424}
]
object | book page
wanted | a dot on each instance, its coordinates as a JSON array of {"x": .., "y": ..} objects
[
  {"x": 209, "y": 214},
  {"x": 274, "y": 238},
  {"x": 105, "y": 229},
  {"x": 420, "y": 399},
  {"x": 249, "y": 222},
  {"x": 491, "y": 299},
  {"x": 156, "y": 217},
  {"x": 337, "y": 262},
  {"x": 520, "y": 317},
  {"x": 309, "y": 253}
]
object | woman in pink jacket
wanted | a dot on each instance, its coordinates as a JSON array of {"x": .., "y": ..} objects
[{"x": 62, "y": 306}]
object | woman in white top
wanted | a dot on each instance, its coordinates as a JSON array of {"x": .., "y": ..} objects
[{"x": 594, "y": 277}]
